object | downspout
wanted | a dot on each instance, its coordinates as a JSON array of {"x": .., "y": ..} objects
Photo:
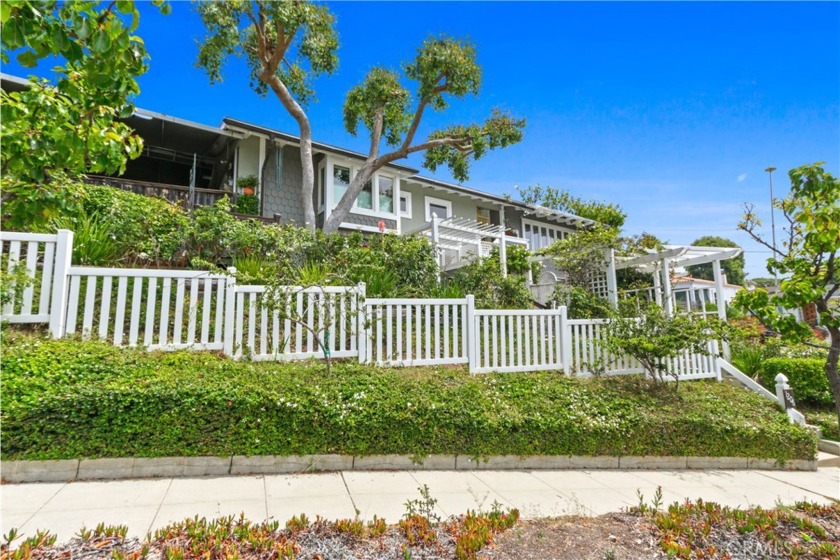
[{"x": 193, "y": 173}]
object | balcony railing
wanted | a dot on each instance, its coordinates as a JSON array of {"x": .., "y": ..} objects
[
  {"x": 176, "y": 194},
  {"x": 173, "y": 193}
]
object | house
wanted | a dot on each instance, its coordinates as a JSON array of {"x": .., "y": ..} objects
[
  {"x": 692, "y": 294},
  {"x": 399, "y": 200},
  {"x": 196, "y": 164}
]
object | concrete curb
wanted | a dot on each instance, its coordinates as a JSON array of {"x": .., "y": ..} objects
[
  {"x": 828, "y": 446},
  {"x": 160, "y": 467}
]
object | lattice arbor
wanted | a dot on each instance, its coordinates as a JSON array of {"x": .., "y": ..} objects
[
  {"x": 599, "y": 284},
  {"x": 661, "y": 264}
]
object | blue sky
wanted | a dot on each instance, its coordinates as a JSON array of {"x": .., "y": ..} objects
[{"x": 672, "y": 110}]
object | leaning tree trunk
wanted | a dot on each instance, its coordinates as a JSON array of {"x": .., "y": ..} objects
[
  {"x": 307, "y": 167},
  {"x": 831, "y": 368}
]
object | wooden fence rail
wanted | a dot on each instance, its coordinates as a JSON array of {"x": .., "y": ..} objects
[{"x": 202, "y": 310}]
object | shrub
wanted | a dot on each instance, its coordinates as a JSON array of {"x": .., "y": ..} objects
[
  {"x": 806, "y": 376},
  {"x": 580, "y": 302},
  {"x": 483, "y": 278},
  {"x": 93, "y": 242},
  {"x": 70, "y": 399},
  {"x": 144, "y": 228},
  {"x": 248, "y": 204},
  {"x": 406, "y": 265},
  {"x": 748, "y": 357}
]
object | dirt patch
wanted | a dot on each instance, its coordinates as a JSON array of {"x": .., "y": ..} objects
[{"x": 614, "y": 536}]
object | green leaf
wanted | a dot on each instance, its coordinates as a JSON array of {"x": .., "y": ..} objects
[
  {"x": 27, "y": 59},
  {"x": 125, "y": 6},
  {"x": 101, "y": 42},
  {"x": 5, "y": 12},
  {"x": 82, "y": 28}
]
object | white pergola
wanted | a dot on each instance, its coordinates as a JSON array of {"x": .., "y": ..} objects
[
  {"x": 661, "y": 263},
  {"x": 463, "y": 236}
]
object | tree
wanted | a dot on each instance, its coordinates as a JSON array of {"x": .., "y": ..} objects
[
  {"x": 443, "y": 68},
  {"x": 762, "y": 282},
  {"x": 583, "y": 253},
  {"x": 654, "y": 339},
  {"x": 809, "y": 258},
  {"x": 285, "y": 45},
  {"x": 55, "y": 132},
  {"x": 609, "y": 214},
  {"x": 734, "y": 268}
]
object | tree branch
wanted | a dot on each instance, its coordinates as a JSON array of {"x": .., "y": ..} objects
[
  {"x": 280, "y": 49},
  {"x": 460, "y": 144},
  {"x": 376, "y": 134},
  {"x": 758, "y": 239},
  {"x": 259, "y": 27}
]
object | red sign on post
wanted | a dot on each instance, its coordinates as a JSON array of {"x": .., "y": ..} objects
[{"x": 381, "y": 226}]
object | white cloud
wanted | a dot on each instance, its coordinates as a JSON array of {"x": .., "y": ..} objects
[{"x": 742, "y": 177}]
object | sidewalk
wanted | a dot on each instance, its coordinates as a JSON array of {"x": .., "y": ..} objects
[{"x": 145, "y": 505}]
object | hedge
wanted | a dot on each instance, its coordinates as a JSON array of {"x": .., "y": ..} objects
[
  {"x": 73, "y": 399},
  {"x": 806, "y": 377}
]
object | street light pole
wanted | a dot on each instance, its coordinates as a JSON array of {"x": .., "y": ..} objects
[{"x": 770, "y": 171}]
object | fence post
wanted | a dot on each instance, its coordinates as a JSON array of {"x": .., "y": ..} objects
[
  {"x": 63, "y": 260},
  {"x": 436, "y": 244},
  {"x": 472, "y": 335},
  {"x": 230, "y": 311},
  {"x": 361, "y": 322},
  {"x": 782, "y": 386},
  {"x": 716, "y": 359},
  {"x": 565, "y": 340}
]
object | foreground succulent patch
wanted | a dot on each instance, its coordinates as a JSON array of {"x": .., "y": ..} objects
[
  {"x": 689, "y": 530},
  {"x": 419, "y": 535},
  {"x": 708, "y": 530}
]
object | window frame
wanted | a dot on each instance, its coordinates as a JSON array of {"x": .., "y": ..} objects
[
  {"x": 408, "y": 205},
  {"x": 533, "y": 232},
  {"x": 322, "y": 186},
  {"x": 375, "y": 211},
  {"x": 429, "y": 200}
]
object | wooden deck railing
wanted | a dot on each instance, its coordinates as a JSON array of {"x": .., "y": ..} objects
[
  {"x": 176, "y": 194},
  {"x": 173, "y": 193}
]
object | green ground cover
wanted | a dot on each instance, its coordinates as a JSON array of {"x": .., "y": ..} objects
[{"x": 72, "y": 399}]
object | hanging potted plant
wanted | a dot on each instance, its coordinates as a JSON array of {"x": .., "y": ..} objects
[{"x": 248, "y": 184}]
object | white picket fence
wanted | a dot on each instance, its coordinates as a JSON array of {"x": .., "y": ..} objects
[
  {"x": 177, "y": 309},
  {"x": 262, "y": 331},
  {"x": 46, "y": 257},
  {"x": 416, "y": 332},
  {"x": 159, "y": 309},
  {"x": 520, "y": 340}
]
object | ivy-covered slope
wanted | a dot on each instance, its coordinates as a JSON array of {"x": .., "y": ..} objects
[{"x": 72, "y": 399}]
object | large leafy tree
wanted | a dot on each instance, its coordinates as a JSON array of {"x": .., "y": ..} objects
[
  {"x": 444, "y": 68},
  {"x": 809, "y": 261},
  {"x": 734, "y": 268},
  {"x": 607, "y": 213},
  {"x": 54, "y": 132},
  {"x": 286, "y": 45}
]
